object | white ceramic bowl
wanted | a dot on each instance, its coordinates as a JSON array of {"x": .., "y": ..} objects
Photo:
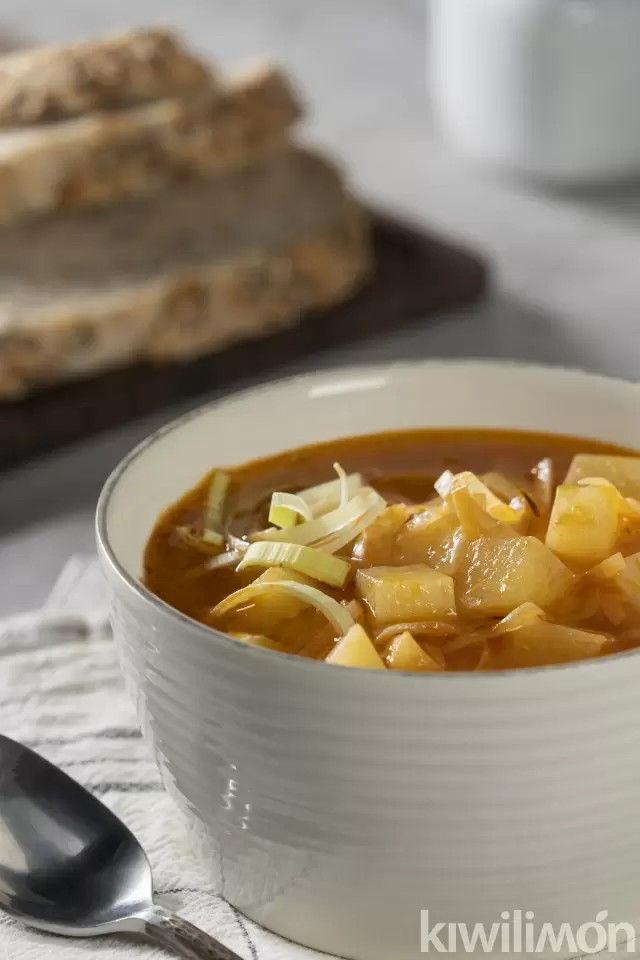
[{"x": 333, "y": 805}]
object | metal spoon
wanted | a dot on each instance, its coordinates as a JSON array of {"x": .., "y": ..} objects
[{"x": 69, "y": 866}]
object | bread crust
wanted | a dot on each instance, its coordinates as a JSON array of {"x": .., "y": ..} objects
[
  {"x": 192, "y": 312},
  {"x": 143, "y": 150},
  {"x": 48, "y": 84}
]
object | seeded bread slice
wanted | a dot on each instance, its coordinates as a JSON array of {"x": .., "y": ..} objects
[
  {"x": 48, "y": 84},
  {"x": 139, "y": 151},
  {"x": 177, "y": 275}
]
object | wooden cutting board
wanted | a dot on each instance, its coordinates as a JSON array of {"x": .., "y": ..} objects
[{"x": 418, "y": 276}]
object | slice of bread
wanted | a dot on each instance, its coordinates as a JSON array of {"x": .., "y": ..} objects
[
  {"x": 128, "y": 153},
  {"x": 47, "y": 84},
  {"x": 179, "y": 274}
]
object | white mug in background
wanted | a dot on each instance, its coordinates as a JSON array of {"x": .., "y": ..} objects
[{"x": 548, "y": 88}]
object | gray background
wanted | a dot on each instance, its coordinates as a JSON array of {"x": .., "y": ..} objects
[{"x": 566, "y": 267}]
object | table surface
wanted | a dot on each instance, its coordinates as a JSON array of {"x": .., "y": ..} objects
[{"x": 566, "y": 266}]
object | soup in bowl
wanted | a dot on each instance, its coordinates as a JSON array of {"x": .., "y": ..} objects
[
  {"x": 421, "y": 568},
  {"x": 467, "y": 535}
]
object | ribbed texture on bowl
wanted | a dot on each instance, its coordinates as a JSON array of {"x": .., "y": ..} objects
[
  {"x": 364, "y": 798},
  {"x": 334, "y": 805}
]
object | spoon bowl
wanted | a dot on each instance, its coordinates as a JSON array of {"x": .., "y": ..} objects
[{"x": 69, "y": 866}]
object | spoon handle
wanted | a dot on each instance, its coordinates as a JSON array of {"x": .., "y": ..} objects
[{"x": 168, "y": 930}]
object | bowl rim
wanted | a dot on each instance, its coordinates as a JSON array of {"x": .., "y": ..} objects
[{"x": 350, "y": 372}]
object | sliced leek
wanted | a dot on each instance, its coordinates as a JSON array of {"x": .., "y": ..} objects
[
  {"x": 312, "y": 563},
  {"x": 213, "y": 537},
  {"x": 237, "y": 544},
  {"x": 429, "y": 628},
  {"x": 214, "y": 508},
  {"x": 334, "y": 530},
  {"x": 327, "y": 496},
  {"x": 286, "y": 508},
  {"x": 228, "y": 559},
  {"x": 344, "y": 484},
  {"x": 191, "y": 539},
  {"x": 336, "y": 614},
  {"x": 336, "y": 541}
]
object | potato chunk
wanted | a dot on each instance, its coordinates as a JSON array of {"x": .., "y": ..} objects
[
  {"x": 515, "y": 513},
  {"x": 397, "y": 594},
  {"x": 497, "y": 576},
  {"x": 377, "y": 545},
  {"x": 433, "y": 537},
  {"x": 405, "y": 654},
  {"x": 622, "y": 472},
  {"x": 542, "y": 644},
  {"x": 356, "y": 649},
  {"x": 585, "y": 524},
  {"x": 623, "y": 582}
]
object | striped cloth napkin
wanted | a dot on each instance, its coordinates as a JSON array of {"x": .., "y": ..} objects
[{"x": 62, "y": 694}]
